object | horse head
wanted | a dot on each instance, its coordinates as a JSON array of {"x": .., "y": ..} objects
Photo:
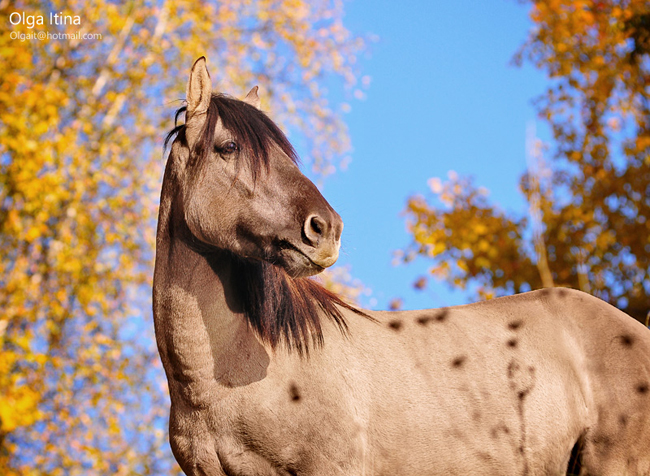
[{"x": 241, "y": 189}]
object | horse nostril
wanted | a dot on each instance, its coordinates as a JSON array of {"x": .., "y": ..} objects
[
  {"x": 315, "y": 228},
  {"x": 317, "y": 225}
]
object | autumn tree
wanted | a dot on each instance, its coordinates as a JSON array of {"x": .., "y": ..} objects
[
  {"x": 81, "y": 122},
  {"x": 588, "y": 224}
]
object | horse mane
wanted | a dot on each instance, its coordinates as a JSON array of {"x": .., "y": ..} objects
[
  {"x": 287, "y": 310},
  {"x": 279, "y": 308}
]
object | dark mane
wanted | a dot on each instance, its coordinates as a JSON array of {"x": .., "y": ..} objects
[
  {"x": 280, "y": 309},
  {"x": 252, "y": 129}
]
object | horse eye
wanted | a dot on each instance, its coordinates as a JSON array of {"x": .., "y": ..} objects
[{"x": 229, "y": 148}]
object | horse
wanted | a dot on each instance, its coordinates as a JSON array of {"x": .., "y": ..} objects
[{"x": 271, "y": 374}]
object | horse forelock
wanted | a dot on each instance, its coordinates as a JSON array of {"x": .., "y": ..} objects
[{"x": 253, "y": 131}]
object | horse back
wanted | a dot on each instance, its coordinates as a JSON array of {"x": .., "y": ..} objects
[
  {"x": 516, "y": 383},
  {"x": 616, "y": 351}
]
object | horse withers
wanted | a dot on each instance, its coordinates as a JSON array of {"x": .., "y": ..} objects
[{"x": 271, "y": 374}]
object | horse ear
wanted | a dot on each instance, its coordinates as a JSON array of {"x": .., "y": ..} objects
[
  {"x": 199, "y": 89},
  {"x": 252, "y": 98}
]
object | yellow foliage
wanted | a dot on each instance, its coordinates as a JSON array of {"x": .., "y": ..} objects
[
  {"x": 81, "y": 127},
  {"x": 590, "y": 213},
  {"x": 18, "y": 402}
]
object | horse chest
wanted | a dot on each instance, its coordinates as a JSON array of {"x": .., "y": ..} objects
[{"x": 274, "y": 427}]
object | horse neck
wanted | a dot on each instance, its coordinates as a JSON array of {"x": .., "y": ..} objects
[{"x": 205, "y": 343}]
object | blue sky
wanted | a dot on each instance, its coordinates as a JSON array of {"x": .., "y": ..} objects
[{"x": 443, "y": 96}]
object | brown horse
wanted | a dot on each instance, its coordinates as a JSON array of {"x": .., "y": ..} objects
[{"x": 270, "y": 374}]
